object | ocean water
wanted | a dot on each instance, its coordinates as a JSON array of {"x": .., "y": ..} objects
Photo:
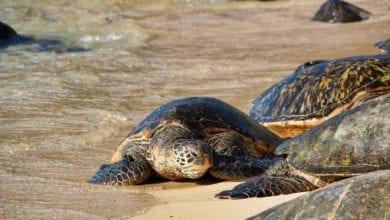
[{"x": 94, "y": 69}]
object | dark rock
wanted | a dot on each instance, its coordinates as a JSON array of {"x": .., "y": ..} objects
[
  {"x": 6, "y": 32},
  {"x": 336, "y": 11}
]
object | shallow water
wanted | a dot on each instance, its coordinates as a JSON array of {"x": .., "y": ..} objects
[{"x": 96, "y": 68}]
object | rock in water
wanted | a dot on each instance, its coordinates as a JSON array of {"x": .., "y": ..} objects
[
  {"x": 336, "y": 11},
  {"x": 6, "y": 32}
]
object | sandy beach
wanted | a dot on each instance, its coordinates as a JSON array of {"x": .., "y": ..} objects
[{"x": 198, "y": 202}]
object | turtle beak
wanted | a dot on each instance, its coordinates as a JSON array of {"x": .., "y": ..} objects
[
  {"x": 202, "y": 164},
  {"x": 205, "y": 161}
]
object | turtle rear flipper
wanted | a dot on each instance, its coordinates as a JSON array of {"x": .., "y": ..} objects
[
  {"x": 268, "y": 185},
  {"x": 125, "y": 172}
]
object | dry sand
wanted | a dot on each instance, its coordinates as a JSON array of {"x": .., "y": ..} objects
[{"x": 198, "y": 202}]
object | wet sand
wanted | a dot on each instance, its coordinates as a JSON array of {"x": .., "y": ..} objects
[{"x": 199, "y": 203}]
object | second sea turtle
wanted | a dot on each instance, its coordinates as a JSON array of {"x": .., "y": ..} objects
[{"x": 319, "y": 90}]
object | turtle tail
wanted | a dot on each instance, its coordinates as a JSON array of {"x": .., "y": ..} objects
[{"x": 124, "y": 172}]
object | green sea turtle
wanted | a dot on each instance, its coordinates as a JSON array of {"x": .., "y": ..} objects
[
  {"x": 352, "y": 143},
  {"x": 336, "y": 11},
  {"x": 362, "y": 197},
  {"x": 187, "y": 138},
  {"x": 318, "y": 90}
]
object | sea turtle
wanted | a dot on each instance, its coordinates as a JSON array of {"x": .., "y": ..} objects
[
  {"x": 362, "y": 197},
  {"x": 186, "y": 138},
  {"x": 318, "y": 90},
  {"x": 354, "y": 142},
  {"x": 336, "y": 11},
  {"x": 384, "y": 46}
]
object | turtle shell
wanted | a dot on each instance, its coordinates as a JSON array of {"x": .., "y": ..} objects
[
  {"x": 319, "y": 90},
  {"x": 354, "y": 142},
  {"x": 345, "y": 199},
  {"x": 205, "y": 116}
]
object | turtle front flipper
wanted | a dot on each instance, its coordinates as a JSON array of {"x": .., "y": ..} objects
[
  {"x": 236, "y": 157},
  {"x": 268, "y": 185},
  {"x": 234, "y": 168},
  {"x": 131, "y": 170}
]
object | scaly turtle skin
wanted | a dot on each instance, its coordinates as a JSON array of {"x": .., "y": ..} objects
[
  {"x": 364, "y": 197},
  {"x": 319, "y": 90},
  {"x": 352, "y": 143},
  {"x": 336, "y": 11},
  {"x": 187, "y": 138}
]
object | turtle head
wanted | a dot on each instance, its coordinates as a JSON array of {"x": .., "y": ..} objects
[{"x": 192, "y": 158}]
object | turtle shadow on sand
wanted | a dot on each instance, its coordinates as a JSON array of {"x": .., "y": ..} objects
[
  {"x": 10, "y": 38},
  {"x": 158, "y": 182},
  {"x": 337, "y": 11}
]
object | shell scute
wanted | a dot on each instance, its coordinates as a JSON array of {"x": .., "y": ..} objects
[
  {"x": 353, "y": 142},
  {"x": 318, "y": 92}
]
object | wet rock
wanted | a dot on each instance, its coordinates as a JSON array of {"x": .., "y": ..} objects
[
  {"x": 29, "y": 43},
  {"x": 6, "y": 32},
  {"x": 336, "y": 11},
  {"x": 10, "y": 38}
]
